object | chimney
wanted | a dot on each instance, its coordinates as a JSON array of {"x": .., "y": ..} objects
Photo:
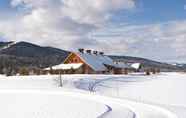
[
  {"x": 88, "y": 51},
  {"x": 101, "y": 53},
  {"x": 95, "y": 52},
  {"x": 81, "y": 50}
]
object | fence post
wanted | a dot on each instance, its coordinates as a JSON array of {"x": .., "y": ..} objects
[{"x": 60, "y": 79}]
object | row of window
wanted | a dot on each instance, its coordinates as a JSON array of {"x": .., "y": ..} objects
[{"x": 74, "y": 61}]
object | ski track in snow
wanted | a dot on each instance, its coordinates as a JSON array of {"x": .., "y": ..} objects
[
  {"x": 130, "y": 109},
  {"x": 95, "y": 85},
  {"x": 126, "y": 106}
]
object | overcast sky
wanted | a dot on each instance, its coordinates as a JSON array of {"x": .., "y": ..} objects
[{"x": 154, "y": 29}]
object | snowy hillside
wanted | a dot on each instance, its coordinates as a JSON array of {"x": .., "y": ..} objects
[
  {"x": 30, "y": 104},
  {"x": 155, "y": 96},
  {"x": 4, "y": 45}
]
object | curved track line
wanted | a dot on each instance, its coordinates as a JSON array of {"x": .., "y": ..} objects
[
  {"x": 141, "y": 110},
  {"x": 166, "y": 111},
  {"x": 109, "y": 109}
]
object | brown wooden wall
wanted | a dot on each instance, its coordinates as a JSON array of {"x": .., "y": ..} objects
[{"x": 73, "y": 58}]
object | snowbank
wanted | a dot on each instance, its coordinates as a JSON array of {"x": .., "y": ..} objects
[
  {"x": 164, "y": 93},
  {"x": 37, "y": 104},
  {"x": 165, "y": 90},
  {"x": 57, "y": 104}
]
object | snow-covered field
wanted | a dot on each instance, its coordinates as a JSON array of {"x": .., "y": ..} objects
[
  {"x": 103, "y": 96},
  {"x": 34, "y": 104}
]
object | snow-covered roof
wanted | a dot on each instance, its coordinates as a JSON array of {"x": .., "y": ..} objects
[
  {"x": 96, "y": 62},
  {"x": 136, "y": 65},
  {"x": 66, "y": 66},
  {"x": 123, "y": 66}
]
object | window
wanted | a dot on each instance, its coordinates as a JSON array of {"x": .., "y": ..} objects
[{"x": 75, "y": 60}]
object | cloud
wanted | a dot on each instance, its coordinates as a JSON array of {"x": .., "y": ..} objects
[
  {"x": 71, "y": 24},
  {"x": 81, "y": 11},
  {"x": 160, "y": 41},
  {"x": 61, "y": 22},
  {"x": 93, "y": 11}
]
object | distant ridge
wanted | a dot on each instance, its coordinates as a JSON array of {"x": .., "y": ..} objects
[
  {"x": 4, "y": 45},
  {"x": 24, "y": 49},
  {"x": 147, "y": 63},
  {"x": 23, "y": 54}
]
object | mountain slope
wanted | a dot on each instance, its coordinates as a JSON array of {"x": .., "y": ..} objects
[
  {"x": 4, "y": 45},
  {"x": 24, "y": 49},
  {"x": 147, "y": 64},
  {"x": 23, "y": 54}
]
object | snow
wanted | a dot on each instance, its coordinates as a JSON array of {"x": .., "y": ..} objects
[
  {"x": 96, "y": 61},
  {"x": 161, "y": 89},
  {"x": 66, "y": 66},
  {"x": 9, "y": 45},
  {"x": 56, "y": 104},
  {"x": 165, "y": 90},
  {"x": 34, "y": 104},
  {"x": 136, "y": 65},
  {"x": 155, "y": 96}
]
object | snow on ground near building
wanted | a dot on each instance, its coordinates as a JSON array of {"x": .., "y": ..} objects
[
  {"x": 28, "y": 82},
  {"x": 51, "y": 101},
  {"x": 165, "y": 90},
  {"x": 57, "y": 104}
]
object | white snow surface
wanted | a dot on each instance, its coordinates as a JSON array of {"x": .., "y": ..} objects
[
  {"x": 96, "y": 61},
  {"x": 155, "y": 96},
  {"x": 9, "y": 45},
  {"x": 35, "y": 104},
  {"x": 136, "y": 65},
  {"x": 66, "y": 66}
]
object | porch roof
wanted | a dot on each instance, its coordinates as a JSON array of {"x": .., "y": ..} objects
[{"x": 66, "y": 66}]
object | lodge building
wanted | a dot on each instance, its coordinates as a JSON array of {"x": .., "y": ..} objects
[{"x": 90, "y": 62}]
